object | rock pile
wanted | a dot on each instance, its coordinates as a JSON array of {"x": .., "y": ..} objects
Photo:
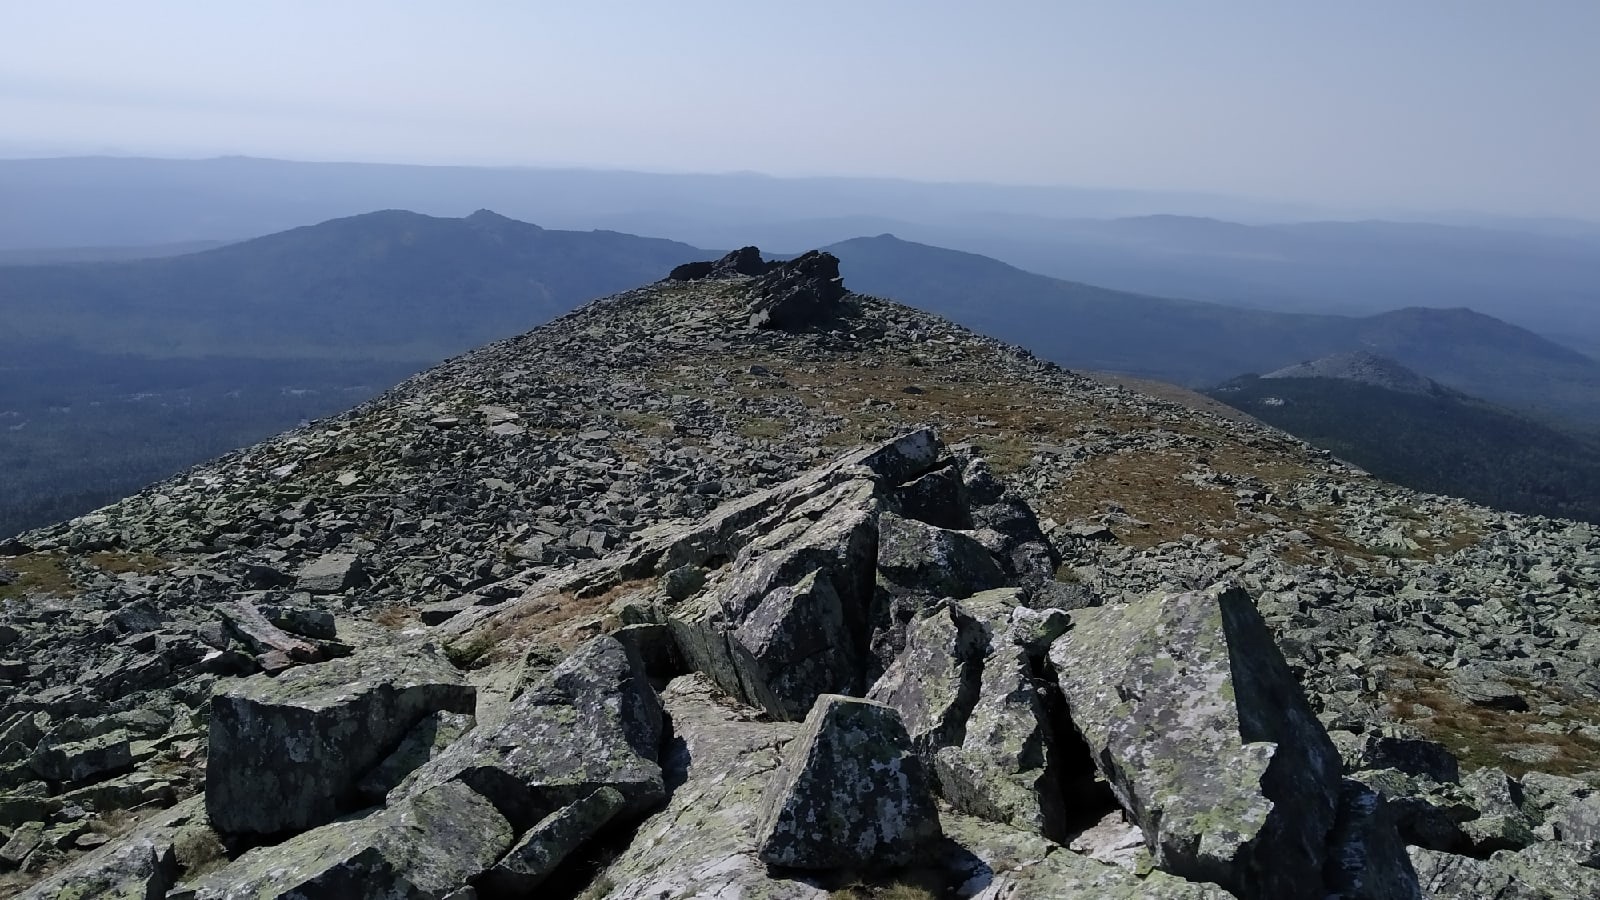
[{"x": 614, "y": 609}]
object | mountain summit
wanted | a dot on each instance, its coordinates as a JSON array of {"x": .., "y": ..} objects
[
  {"x": 1362, "y": 367},
  {"x": 743, "y": 584}
]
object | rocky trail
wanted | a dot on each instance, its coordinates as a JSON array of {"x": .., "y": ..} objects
[{"x": 742, "y": 585}]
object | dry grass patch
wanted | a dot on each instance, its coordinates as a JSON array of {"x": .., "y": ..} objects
[
  {"x": 1482, "y": 736},
  {"x": 122, "y": 563},
  {"x": 561, "y": 620},
  {"x": 38, "y": 573}
]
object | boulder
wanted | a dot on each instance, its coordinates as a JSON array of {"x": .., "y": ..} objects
[
  {"x": 422, "y": 846},
  {"x": 1446, "y": 876},
  {"x": 428, "y": 739},
  {"x": 83, "y": 760},
  {"x": 851, "y": 793},
  {"x": 140, "y": 864},
  {"x": 790, "y": 622},
  {"x": 330, "y": 574},
  {"x": 287, "y": 753},
  {"x": 1003, "y": 769},
  {"x": 933, "y": 684},
  {"x": 593, "y": 721},
  {"x": 702, "y": 844},
  {"x": 1193, "y": 717},
  {"x": 925, "y": 559},
  {"x": 550, "y": 841}
]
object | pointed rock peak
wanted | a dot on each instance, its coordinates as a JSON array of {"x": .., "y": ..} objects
[
  {"x": 743, "y": 261},
  {"x": 1363, "y": 367},
  {"x": 490, "y": 218}
]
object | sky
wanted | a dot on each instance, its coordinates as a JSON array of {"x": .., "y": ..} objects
[{"x": 1481, "y": 105}]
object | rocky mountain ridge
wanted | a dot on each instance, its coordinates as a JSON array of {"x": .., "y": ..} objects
[{"x": 620, "y": 610}]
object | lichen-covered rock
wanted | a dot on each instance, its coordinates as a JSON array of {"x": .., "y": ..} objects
[
  {"x": 1002, "y": 863},
  {"x": 1193, "y": 717},
  {"x": 1002, "y": 769},
  {"x": 925, "y": 559},
  {"x": 287, "y": 753},
  {"x": 790, "y": 621},
  {"x": 1558, "y": 869},
  {"x": 702, "y": 844},
  {"x": 428, "y": 739},
  {"x": 421, "y": 847},
  {"x": 852, "y": 792},
  {"x": 83, "y": 760},
  {"x": 548, "y": 843},
  {"x": 592, "y": 721},
  {"x": 1446, "y": 876},
  {"x": 141, "y": 864},
  {"x": 933, "y": 684}
]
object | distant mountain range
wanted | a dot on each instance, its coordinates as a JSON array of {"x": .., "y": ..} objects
[
  {"x": 1197, "y": 344},
  {"x": 1543, "y": 275},
  {"x": 1412, "y": 431}
]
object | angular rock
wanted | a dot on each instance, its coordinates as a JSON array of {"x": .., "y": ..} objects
[
  {"x": 142, "y": 864},
  {"x": 593, "y": 721},
  {"x": 923, "y": 558},
  {"x": 330, "y": 574},
  {"x": 550, "y": 841},
  {"x": 287, "y": 753},
  {"x": 933, "y": 684},
  {"x": 252, "y": 627},
  {"x": 851, "y": 792},
  {"x": 1192, "y": 716},
  {"x": 803, "y": 293},
  {"x": 84, "y": 760},
  {"x": 1446, "y": 876},
  {"x": 428, "y": 739},
  {"x": 422, "y": 846},
  {"x": 1002, "y": 771},
  {"x": 703, "y": 843}
]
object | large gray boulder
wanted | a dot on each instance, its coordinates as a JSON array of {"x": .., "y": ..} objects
[
  {"x": 549, "y": 842},
  {"x": 287, "y": 753},
  {"x": 1193, "y": 717},
  {"x": 593, "y": 721},
  {"x": 419, "y": 848},
  {"x": 933, "y": 684},
  {"x": 790, "y": 621},
  {"x": 852, "y": 792},
  {"x": 925, "y": 559}
]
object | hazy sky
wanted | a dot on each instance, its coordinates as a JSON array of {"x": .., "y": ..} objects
[{"x": 1491, "y": 105}]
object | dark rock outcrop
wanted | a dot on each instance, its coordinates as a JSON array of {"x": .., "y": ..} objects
[{"x": 801, "y": 294}]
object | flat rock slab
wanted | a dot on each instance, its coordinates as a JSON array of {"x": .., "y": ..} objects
[
  {"x": 330, "y": 573},
  {"x": 423, "y": 846},
  {"x": 852, "y": 792},
  {"x": 287, "y": 753},
  {"x": 1193, "y": 717}
]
